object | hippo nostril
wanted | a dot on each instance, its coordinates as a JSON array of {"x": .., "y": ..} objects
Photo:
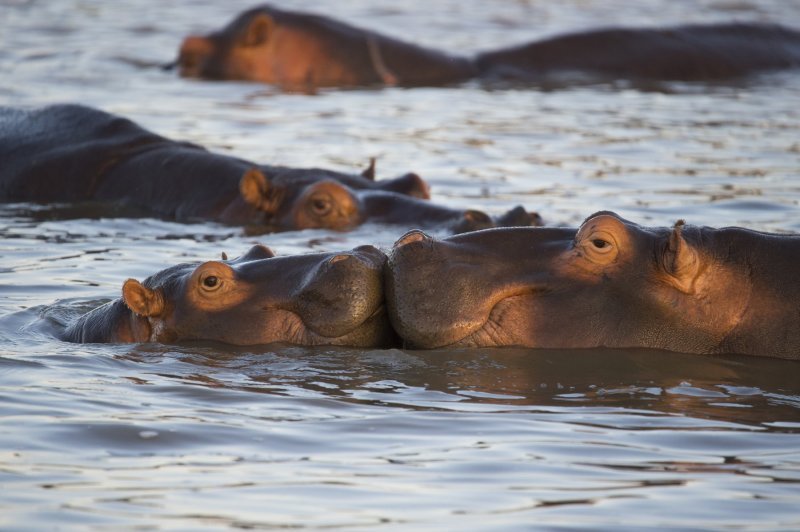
[
  {"x": 415, "y": 235},
  {"x": 337, "y": 258}
]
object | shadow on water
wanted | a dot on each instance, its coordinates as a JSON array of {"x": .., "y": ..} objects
[{"x": 744, "y": 390}]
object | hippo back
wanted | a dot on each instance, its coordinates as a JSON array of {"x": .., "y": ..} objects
[
  {"x": 686, "y": 53},
  {"x": 58, "y": 153}
]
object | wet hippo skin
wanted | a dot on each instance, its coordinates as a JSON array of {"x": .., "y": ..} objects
[
  {"x": 313, "y": 299},
  {"x": 71, "y": 153},
  {"x": 297, "y": 50},
  {"x": 610, "y": 283},
  {"x": 304, "y": 50},
  {"x": 702, "y": 52}
]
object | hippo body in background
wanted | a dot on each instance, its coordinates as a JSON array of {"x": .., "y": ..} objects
[
  {"x": 611, "y": 283},
  {"x": 295, "y": 50},
  {"x": 703, "y": 52},
  {"x": 313, "y": 299},
  {"x": 71, "y": 153}
]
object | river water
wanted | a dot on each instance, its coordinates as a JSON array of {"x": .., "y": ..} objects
[{"x": 206, "y": 436}]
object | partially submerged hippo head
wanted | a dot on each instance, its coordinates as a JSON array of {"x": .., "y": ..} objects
[
  {"x": 610, "y": 283},
  {"x": 314, "y": 299},
  {"x": 321, "y": 199},
  {"x": 303, "y": 50},
  {"x": 269, "y": 45},
  {"x": 315, "y": 198}
]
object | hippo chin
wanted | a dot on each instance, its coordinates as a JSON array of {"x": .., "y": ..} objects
[
  {"x": 314, "y": 299},
  {"x": 303, "y": 51},
  {"x": 610, "y": 283},
  {"x": 75, "y": 154}
]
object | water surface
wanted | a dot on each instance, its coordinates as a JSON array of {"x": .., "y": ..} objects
[{"x": 204, "y": 436}]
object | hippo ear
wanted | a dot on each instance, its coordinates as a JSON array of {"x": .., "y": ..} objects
[
  {"x": 142, "y": 300},
  {"x": 681, "y": 260},
  {"x": 258, "y": 30},
  {"x": 369, "y": 173},
  {"x": 254, "y": 187}
]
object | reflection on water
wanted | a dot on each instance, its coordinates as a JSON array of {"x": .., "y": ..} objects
[
  {"x": 295, "y": 436},
  {"x": 205, "y": 436}
]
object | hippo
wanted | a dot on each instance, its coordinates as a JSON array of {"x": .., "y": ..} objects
[
  {"x": 76, "y": 154},
  {"x": 304, "y": 51},
  {"x": 610, "y": 283},
  {"x": 312, "y": 299},
  {"x": 298, "y": 51}
]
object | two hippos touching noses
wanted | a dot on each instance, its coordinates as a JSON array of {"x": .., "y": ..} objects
[{"x": 609, "y": 283}]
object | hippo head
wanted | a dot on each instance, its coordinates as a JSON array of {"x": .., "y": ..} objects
[
  {"x": 313, "y": 198},
  {"x": 294, "y": 50},
  {"x": 324, "y": 203},
  {"x": 320, "y": 298},
  {"x": 610, "y": 283}
]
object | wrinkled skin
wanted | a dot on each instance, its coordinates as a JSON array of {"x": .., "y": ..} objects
[
  {"x": 314, "y": 299},
  {"x": 611, "y": 283},
  {"x": 302, "y": 51},
  {"x": 74, "y": 154}
]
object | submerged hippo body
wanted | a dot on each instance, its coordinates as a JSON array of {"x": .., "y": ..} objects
[
  {"x": 298, "y": 50},
  {"x": 303, "y": 50},
  {"x": 611, "y": 283},
  {"x": 314, "y": 299},
  {"x": 709, "y": 52},
  {"x": 71, "y": 153}
]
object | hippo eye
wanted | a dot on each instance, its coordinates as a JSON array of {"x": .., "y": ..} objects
[
  {"x": 211, "y": 282},
  {"x": 599, "y": 246},
  {"x": 320, "y": 206}
]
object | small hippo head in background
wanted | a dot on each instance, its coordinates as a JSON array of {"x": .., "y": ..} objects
[
  {"x": 300, "y": 51},
  {"x": 264, "y": 44},
  {"x": 313, "y": 299},
  {"x": 292, "y": 199},
  {"x": 610, "y": 283}
]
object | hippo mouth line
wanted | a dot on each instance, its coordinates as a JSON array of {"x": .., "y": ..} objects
[
  {"x": 492, "y": 328},
  {"x": 378, "y": 314},
  {"x": 491, "y": 333},
  {"x": 300, "y": 332}
]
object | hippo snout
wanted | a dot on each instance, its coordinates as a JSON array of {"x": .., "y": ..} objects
[
  {"x": 519, "y": 217},
  {"x": 473, "y": 220},
  {"x": 370, "y": 255},
  {"x": 343, "y": 292},
  {"x": 361, "y": 261}
]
